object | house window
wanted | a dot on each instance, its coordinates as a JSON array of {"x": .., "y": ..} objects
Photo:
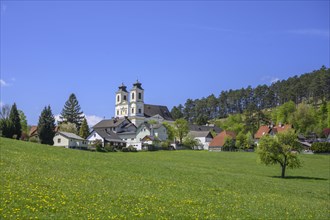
[
  {"x": 59, "y": 140},
  {"x": 133, "y": 95},
  {"x": 140, "y": 111},
  {"x": 140, "y": 95}
]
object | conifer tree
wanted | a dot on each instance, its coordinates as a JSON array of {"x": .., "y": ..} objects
[
  {"x": 46, "y": 126},
  {"x": 72, "y": 112},
  {"x": 16, "y": 129},
  {"x": 84, "y": 130}
]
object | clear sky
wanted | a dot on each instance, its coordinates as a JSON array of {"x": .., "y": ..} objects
[{"x": 176, "y": 49}]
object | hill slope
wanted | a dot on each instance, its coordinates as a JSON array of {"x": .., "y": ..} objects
[{"x": 48, "y": 182}]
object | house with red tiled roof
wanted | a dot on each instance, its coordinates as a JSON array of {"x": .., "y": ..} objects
[
  {"x": 34, "y": 131},
  {"x": 272, "y": 130},
  {"x": 218, "y": 141}
]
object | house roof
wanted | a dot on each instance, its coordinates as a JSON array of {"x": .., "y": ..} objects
[
  {"x": 33, "y": 131},
  {"x": 109, "y": 123},
  {"x": 108, "y": 135},
  {"x": 263, "y": 130},
  {"x": 282, "y": 128},
  {"x": 70, "y": 135},
  {"x": 219, "y": 140},
  {"x": 150, "y": 138},
  {"x": 216, "y": 129},
  {"x": 197, "y": 134},
  {"x": 152, "y": 110},
  {"x": 148, "y": 126}
]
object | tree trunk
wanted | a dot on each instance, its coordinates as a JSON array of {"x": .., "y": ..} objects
[{"x": 283, "y": 171}]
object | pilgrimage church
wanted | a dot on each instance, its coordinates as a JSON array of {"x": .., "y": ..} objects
[
  {"x": 130, "y": 126},
  {"x": 131, "y": 105}
]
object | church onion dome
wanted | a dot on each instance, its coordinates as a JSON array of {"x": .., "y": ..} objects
[
  {"x": 137, "y": 84},
  {"x": 122, "y": 88}
]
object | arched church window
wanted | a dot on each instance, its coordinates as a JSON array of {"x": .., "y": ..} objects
[
  {"x": 132, "y": 95},
  {"x": 140, "y": 95},
  {"x": 124, "y": 97},
  {"x": 118, "y": 98},
  {"x": 132, "y": 110},
  {"x": 140, "y": 111}
]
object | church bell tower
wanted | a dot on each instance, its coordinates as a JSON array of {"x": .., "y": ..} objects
[{"x": 122, "y": 102}]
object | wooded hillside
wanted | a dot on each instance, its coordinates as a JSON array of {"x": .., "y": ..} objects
[{"x": 310, "y": 88}]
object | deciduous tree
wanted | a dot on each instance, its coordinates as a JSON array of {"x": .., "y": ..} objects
[
  {"x": 181, "y": 128},
  {"x": 280, "y": 149}
]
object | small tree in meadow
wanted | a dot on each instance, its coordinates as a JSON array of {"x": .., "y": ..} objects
[
  {"x": 280, "y": 149},
  {"x": 181, "y": 128}
]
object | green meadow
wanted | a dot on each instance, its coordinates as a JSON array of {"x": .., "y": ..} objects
[{"x": 45, "y": 182}]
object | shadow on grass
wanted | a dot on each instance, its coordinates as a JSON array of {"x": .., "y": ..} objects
[{"x": 300, "y": 177}]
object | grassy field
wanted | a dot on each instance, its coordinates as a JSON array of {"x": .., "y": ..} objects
[{"x": 46, "y": 182}]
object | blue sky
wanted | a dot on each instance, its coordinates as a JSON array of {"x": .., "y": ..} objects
[{"x": 177, "y": 50}]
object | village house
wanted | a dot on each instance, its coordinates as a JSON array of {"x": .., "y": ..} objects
[
  {"x": 69, "y": 140},
  {"x": 204, "y": 137},
  {"x": 271, "y": 130},
  {"x": 218, "y": 141}
]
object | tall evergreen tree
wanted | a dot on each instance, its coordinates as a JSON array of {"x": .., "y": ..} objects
[
  {"x": 46, "y": 126},
  {"x": 72, "y": 112},
  {"x": 16, "y": 129},
  {"x": 5, "y": 124},
  {"x": 84, "y": 129}
]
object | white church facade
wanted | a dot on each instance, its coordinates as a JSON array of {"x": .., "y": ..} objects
[{"x": 131, "y": 105}]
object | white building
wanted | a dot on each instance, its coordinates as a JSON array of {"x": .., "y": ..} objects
[
  {"x": 131, "y": 105},
  {"x": 205, "y": 137},
  {"x": 69, "y": 140}
]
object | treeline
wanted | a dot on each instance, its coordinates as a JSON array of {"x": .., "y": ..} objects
[
  {"x": 13, "y": 123},
  {"x": 311, "y": 88}
]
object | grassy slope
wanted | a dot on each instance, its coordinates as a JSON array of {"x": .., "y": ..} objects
[{"x": 49, "y": 182}]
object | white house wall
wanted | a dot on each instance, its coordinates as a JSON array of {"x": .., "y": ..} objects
[
  {"x": 60, "y": 141},
  {"x": 94, "y": 136}
]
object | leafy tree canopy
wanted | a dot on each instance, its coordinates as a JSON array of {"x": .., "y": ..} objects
[{"x": 280, "y": 149}]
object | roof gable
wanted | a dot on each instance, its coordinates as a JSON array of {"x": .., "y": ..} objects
[
  {"x": 214, "y": 128},
  {"x": 152, "y": 110},
  {"x": 197, "y": 134},
  {"x": 70, "y": 135},
  {"x": 220, "y": 139},
  {"x": 111, "y": 123}
]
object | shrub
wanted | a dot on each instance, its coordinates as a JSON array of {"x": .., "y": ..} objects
[
  {"x": 34, "y": 139},
  {"x": 124, "y": 149},
  {"x": 132, "y": 149},
  {"x": 109, "y": 148},
  {"x": 98, "y": 145},
  {"x": 321, "y": 147}
]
